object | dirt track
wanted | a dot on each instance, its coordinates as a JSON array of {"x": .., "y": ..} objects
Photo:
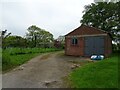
[{"x": 44, "y": 71}]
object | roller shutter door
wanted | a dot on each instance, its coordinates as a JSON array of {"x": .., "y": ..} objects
[{"x": 94, "y": 45}]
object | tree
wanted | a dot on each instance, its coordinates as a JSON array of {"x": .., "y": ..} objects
[
  {"x": 15, "y": 41},
  {"x": 31, "y": 35},
  {"x": 38, "y": 37},
  {"x": 3, "y": 36},
  {"x": 104, "y": 15},
  {"x": 60, "y": 42}
]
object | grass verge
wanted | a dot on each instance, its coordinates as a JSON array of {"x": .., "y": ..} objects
[
  {"x": 102, "y": 74},
  {"x": 16, "y": 60},
  {"x": 13, "y": 57}
]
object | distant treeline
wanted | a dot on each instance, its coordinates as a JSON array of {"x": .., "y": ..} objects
[{"x": 35, "y": 37}]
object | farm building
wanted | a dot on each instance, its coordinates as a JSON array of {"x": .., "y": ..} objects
[{"x": 87, "y": 41}]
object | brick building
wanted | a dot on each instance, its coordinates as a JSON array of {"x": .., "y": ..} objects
[{"x": 87, "y": 41}]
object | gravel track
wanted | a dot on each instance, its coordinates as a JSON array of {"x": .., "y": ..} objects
[{"x": 44, "y": 71}]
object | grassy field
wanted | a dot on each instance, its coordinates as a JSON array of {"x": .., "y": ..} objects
[
  {"x": 101, "y": 74},
  {"x": 13, "y": 57}
]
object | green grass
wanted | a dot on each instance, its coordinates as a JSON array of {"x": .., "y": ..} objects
[
  {"x": 15, "y": 60},
  {"x": 13, "y": 57},
  {"x": 18, "y": 51},
  {"x": 101, "y": 74}
]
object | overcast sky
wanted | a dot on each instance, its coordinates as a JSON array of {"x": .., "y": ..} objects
[{"x": 56, "y": 16}]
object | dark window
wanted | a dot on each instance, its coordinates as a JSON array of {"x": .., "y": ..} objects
[{"x": 74, "y": 41}]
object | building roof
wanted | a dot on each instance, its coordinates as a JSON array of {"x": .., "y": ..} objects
[{"x": 86, "y": 30}]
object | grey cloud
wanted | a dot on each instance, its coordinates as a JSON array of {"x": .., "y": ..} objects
[{"x": 57, "y": 16}]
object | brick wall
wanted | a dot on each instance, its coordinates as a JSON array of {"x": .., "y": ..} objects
[
  {"x": 108, "y": 46},
  {"x": 76, "y": 50}
]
